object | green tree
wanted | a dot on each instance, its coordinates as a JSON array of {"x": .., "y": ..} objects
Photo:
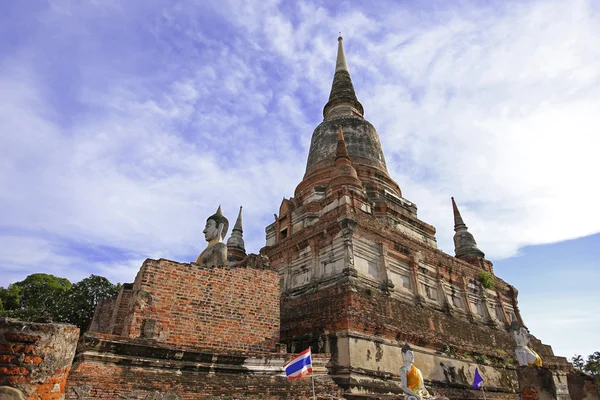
[
  {"x": 10, "y": 297},
  {"x": 83, "y": 297},
  {"x": 577, "y": 362},
  {"x": 36, "y": 298},
  {"x": 41, "y": 297},
  {"x": 592, "y": 365}
]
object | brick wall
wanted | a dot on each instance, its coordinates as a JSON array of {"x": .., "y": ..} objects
[
  {"x": 36, "y": 358},
  {"x": 102, "y": 316},
  {"x": 95, "y": 380},
  {"x": 582, "y": 387},
  {"x": 371, "y": 312},
  {"x": 323, "y": 311},
  {"x": 120, "y": 368},
  {"x": 376, "y": 314},
  {"x": 232, "y": 308},
  {"x": 117, "y": 322}
]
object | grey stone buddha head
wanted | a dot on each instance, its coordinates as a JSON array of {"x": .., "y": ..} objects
[
  {"x": 407, "y": 354},
  {"x": 216, "y": 226}
]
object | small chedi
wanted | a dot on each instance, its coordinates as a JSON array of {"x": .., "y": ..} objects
[
  {"x": 215, "y": 230},
  {"x": 524, "y": 354}
]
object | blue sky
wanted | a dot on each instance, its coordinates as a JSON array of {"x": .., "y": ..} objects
[{"x": 125, "y": 124}]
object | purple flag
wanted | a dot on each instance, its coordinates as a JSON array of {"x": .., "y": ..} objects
[{"x": 478, "y": 381}]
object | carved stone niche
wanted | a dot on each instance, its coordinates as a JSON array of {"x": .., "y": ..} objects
[{"x": 148, "y": 329}]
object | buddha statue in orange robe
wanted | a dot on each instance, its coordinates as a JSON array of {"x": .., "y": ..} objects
[{"x": 412, "y": 379}]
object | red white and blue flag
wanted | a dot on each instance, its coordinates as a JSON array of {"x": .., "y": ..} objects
[{"x": 299, "y": 366}]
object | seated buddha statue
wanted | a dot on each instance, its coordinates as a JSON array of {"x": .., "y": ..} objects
[
  {"x": 214, "y": 232},
  {"x": 525, "y": 355},
  {"x": 412, "y": 379}
]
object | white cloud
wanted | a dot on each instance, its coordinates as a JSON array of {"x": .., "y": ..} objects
[{"x": 497, "y": 111}]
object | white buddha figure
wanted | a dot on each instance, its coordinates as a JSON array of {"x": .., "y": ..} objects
[
  {"x": 412, "y": 379},
  {"x": 214, "y": 232},
  {"x": 524, "y": 354}
]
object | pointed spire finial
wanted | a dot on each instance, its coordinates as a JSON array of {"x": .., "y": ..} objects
[
  {"x": 342, "y": 99},
  {"x": 341, "y": 64},
  {"x": 236, "y": 248},
  {"x": 457, "y": 217},
  {"x": 238, "y": 222},
  {"x": 465, "y": 245},
  {"x": 341, "y": 150}
]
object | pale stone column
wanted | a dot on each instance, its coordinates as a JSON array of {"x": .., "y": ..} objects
[
  {"x": 514, "y": 294},
  {"x": 413, "y": 264},
  {"x": 466, "y": 296},
  {"x": 316, "y": 265},
  {"x": 387, "y": 285},
  {"x": 442, "y": 290},
  {"x": 501, "y": 303},
  {"x": 287, "y": 273},
  {"x": 348, "y": 226},
  {"x": 486, "y": 304}
]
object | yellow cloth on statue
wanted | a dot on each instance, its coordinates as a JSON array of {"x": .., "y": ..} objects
[
  {"x": 538, "y": 359},
  {"x": 414, "y": 381}
]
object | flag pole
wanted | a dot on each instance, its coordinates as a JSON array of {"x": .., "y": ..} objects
[
  {"x": 483, "y": 389},
  {"x": 312, "y": 375}
]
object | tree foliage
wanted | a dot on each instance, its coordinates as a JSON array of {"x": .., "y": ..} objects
[
  {"x": 36, "y": 298},
  {"x": 10, "y": 297},
  {"x": 578, "y": 362},
  {"x": 591, "y": 366},
  {"x": 83, "y": 297},
  {"x": 44, "y": 297}
]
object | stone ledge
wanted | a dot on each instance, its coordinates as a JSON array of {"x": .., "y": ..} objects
[{"x": 133, "y": 352}]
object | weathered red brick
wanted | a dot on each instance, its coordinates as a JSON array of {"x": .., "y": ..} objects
[
  {"x": 226, "y": 308},
  {"x": 14, "y": 371},
  {"x": 20, "y": 337},
  {"x": 7, "y": 359},
  {"x": 33, "y": 360}
]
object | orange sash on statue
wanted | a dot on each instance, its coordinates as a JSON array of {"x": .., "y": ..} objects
[{"x": 414, "y": 379}]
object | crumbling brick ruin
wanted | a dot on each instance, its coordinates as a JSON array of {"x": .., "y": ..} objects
[{"x": 35, "y": 359}]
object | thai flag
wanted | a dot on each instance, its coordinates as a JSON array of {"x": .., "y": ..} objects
[{"x": 299, "y": 366}]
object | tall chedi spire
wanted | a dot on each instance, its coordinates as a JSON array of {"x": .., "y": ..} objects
[
  {"x": 361, "y": 140},
  {"x": 236, "y": 250},
  {"x": 342, "y": 99},
  {"x": 465, "y": 245}
]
